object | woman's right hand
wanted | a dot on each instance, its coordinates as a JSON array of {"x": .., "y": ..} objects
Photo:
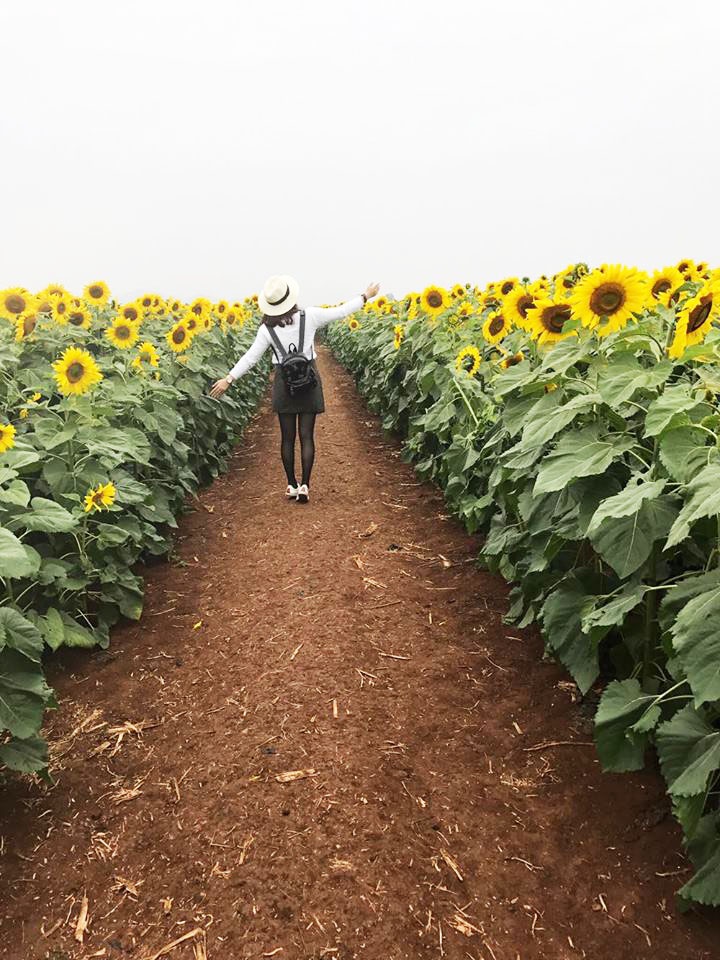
[
  {"x": 219, "y": 388},
  {"x": 372, "y": 291}
]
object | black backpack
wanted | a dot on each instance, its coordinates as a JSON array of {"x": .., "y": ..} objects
[{"x": 297, "y": 371}]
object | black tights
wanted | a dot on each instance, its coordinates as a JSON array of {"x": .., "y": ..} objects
[{"x": 306, "y": 424}]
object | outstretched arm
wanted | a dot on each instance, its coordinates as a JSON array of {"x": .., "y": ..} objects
[
  {"x": 325, "y": 315},
  {"x": 246, "y": 362}
]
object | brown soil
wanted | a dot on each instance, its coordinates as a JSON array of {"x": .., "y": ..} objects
[{"x": 432, "y": 821}]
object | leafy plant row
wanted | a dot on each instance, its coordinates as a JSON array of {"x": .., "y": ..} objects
[
  {"x": 590, "y": 461},
  {"x": 102, "y": 440}
]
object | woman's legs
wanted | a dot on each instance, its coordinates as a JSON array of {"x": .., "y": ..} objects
[
  {"x": 287, "y": 445},
  {"x": 306, "y": 422}
]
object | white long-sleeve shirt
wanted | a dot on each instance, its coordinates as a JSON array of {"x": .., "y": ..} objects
[{"x": 315, "y": 319}]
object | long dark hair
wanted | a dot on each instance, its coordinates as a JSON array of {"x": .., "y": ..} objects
[{"x": 282, "y": 320}]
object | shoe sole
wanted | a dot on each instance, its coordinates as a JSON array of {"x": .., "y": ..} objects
[{"x": 303, "y": 498}]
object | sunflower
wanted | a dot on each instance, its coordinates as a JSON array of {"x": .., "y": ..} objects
[
  {"x": 516, "y": 305},
  {"x": 229, "y": 319},
  {"x": 354, "y": 324},
  {"x": 606, "y": 299},
  {"x": 461, "y": 361},
  {"x": 200, "y": 307},
  {"x": 540, "y": 288},
  {"x": 78, "y": 316},
  {"x": 686, "y": 266},
  {"x": 14, "y": 301},
  {"x": 60, "y": 308},
  {"x": 458, "y": 290},
  {"x": 507, "y": 286},
  {"x": 97, "y": 293},
  {"x": 434, "y": 300},
  {"x": 496, "y": 327},
  {"x": 663, "y": 284},
  {"x": 122, "y": 333},
  {"x": 101, "y": 497},
  {"x": 221, "y": 308},
  {"x": 511, "y": 360},
  {"x": 192, "y": 323},
  {"x": 145, "y": 302},
  {"x": 695, "y": 319},
  {"x": 43, "y": 305},
  {"x": 131, "y": 312},
  {"x": 76, "y": 372},
  {"x": 464, "y": 310},
  {"x": 7, "y": 437},
  {"x": 53, "y": 290},
  {"x": 399, "y": 332},
  {"x": 178, "y": 336},
  {"x": 546, "y": 320},
  {"x": 24, "y": 325},
  {"x": 147, "y": 356},
  {"x": 175, "y": 306}
]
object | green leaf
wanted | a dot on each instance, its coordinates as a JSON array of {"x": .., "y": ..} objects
[
  {"x": 669, "y": 409},
  {"x": 626, "y": 503},
  {"x": 684, "y": 452},
  {"x": 29, "y": 755},
  {"x": 53, "y": 628},
  {"x": 626, "y": 542},
  {"x": 622, "y": 706},
  {"x": 23, "y": 694},
  {"x": 47, "y": 516},
  {"x": 128, "y": 444},
  {"x": 540, "y": 426},
  {"x": 16, "y": 561},
  {"x": 624, "y": 375},
  {"x": 689, "y": 751},
  {"x": 579, "y": 454},
  {"x": 703, "y": 501},
  {"x": 7, "y": 474},
  {"x": 696, "y": 639},
  {"x": 562, "y": 616},
  {"x": 614, "y": 613},
  {"x": 17, "y": 493},
  {"x": 704, "y": 851},
  {"x": 18, "y": 633}
]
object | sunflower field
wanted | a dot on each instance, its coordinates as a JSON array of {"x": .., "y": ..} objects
[
  {"x": 574, "y": 421},
  {"x": 105, "y": 429}
]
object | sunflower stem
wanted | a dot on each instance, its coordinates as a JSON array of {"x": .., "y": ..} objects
[{"x": 467, "y": 403}]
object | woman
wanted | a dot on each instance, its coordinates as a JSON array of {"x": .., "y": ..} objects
[{"x": 296, "y": 412}]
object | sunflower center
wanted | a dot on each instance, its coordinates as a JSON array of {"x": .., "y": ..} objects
[
  {"x": 434, "y": 299},
  {"x": 130, "y": 313},
  {"x": 524, "y": 304},
  {"x": 15, "y": 303},
  {"x": 512, "y": 361},
  {"x": 75, "y": 372},
  {"x": 555, "y": 317},
  {"x": 61, "y": 307},
  {"x": 607, "y": 299},
  {"x": 122, "y": 332},
  {"x": 196, "y": 309},
  {"x": 96, "y": 292},
  {"x": 178, "y": 335},
  {"x": 77, "y": 319},
  {"x": 660, "y": 286},
  {"x": 496, "y": 324},
  {"x": 146, "y": 301},
  {"x": 29, "y": 324},
  {"x": 506, "y": 287},
  {"x": 45, "y": 307},
  {"x": 699, "y": 314}
]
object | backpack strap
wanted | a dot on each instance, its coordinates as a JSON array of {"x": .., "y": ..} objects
[
  {"x": 302, "y": 332},
  {"x": 277, "y": 346}
]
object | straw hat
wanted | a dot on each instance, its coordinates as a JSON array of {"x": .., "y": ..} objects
[{"x": 279, "y": 295}]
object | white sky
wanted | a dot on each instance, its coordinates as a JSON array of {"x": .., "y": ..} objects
[{"x": 196, "y": 146}]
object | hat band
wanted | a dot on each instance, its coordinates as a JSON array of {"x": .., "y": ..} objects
[{"x": 276, "y": 303}]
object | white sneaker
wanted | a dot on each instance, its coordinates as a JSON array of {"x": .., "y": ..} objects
[
  {"x": 291, "y": 492},
  {"x": 303, "y": 494}
]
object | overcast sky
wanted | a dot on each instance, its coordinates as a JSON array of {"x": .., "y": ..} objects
[{"x": 196, "y": 147}]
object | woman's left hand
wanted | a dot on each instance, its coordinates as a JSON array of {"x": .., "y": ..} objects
[
  {"x": 219, "y": 388},
  {"x": 372, "y": 291}
]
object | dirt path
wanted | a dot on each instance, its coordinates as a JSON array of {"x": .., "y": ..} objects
[{"x": 286, "y": 638}]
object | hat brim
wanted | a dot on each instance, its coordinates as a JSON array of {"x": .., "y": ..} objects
[{"x": 288, "y": 302}]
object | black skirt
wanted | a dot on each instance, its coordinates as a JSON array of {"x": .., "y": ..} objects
[{"x": 307, "y": 401}]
